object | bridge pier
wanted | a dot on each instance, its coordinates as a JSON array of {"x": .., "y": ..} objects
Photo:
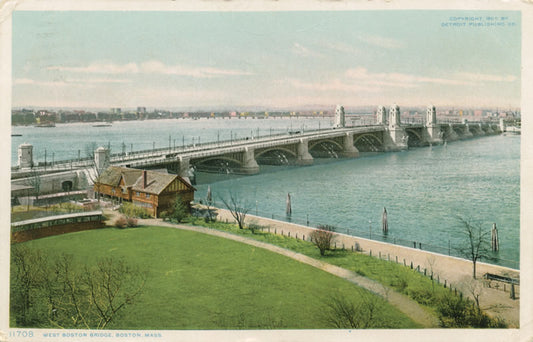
[
  {"x": 503, "y": 126},
  {"x": 432, "y": 132},
  {"x": 467, "y": 133},
  {"x": 184, "y": 168},
  {"x": 304, "y": 157},
  {"x": 480, "y": 130},
  {"x": 451, "y": 135},
  {"x": 350, "y": 151},
  {"x": 250, "y": 165},
  {"x": 395, "y": 138}
]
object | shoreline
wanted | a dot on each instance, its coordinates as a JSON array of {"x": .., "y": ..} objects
[{"x": 455, "y": 271}]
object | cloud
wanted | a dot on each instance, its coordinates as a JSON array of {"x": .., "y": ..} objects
[
  {"x": 100, "y": 68},
  {"x": 477, "y": 77},
  {"x": 157, "y": 67},
  {"x": 382, "y": 42},
  {"x": 303, "y": 51},
  {"x": 342, "y": 47},
  {"x": 331, "y": 85},
  {"x": 28, "y": 81},
  {"x": 150, "y": 67},
  {"x": 394, "y": 79},
  {"x": 360, "y": 80},
  {"x": 68, "y": 82}
]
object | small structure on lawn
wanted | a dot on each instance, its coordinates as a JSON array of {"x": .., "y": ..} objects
[{"x": 157, "y": 191}]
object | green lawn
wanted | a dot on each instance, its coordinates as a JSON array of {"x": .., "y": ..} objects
[
  {"x": 402, "y": 279},
  {"x": 197, "y": 281}
]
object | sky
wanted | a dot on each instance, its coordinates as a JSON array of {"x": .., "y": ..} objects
[{"x": 266, "y": 59}]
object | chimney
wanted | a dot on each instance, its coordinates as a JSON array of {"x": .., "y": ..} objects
[{"x": 145, "y": 180}]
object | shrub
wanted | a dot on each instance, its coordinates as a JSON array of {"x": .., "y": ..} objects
[
  {"x": 131, "y": 222},
  {"x": 322, "y": 237},
  {"x": 180, "y": 210},
  {"x": 422, "y": 296},
  {"x": 121, "y": 222},
  {"x": 456, "y": 312},
  {"x": 132, "y": 210},
  {"x": 254, "y": 227},
  {"x": 164, "y": 215}
]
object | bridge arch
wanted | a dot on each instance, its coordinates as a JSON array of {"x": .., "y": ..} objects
[
  {"x": 218, "y": 164},
  {"x": 67, "y": 186},
  {"x": 277, "y": 155},
  {"x": 415, "y": 138},
  {"x": 368, "y": 142},
  {"x": 326, "y": 148}
]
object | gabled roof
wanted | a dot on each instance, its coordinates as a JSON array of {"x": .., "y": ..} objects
[
  {"x": 156, "y": 181},
  {"x": 111, "y": 176}
]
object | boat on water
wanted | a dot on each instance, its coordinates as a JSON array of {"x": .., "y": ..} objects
[
  {"x": 103, "y": 125},
  {"x": 16, "y": 135},
  {"x": 513, "y": 129},
  {"x": 45, "y": 124}
]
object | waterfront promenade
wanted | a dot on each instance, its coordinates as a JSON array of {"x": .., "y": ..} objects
[{"x": 455, "y": 271}]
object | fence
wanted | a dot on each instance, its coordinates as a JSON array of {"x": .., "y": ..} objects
[
  {"x": 512, "y": 287},
  {"x": 371, "y": 235}
]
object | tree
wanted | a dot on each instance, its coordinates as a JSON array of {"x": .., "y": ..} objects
[
  {"x": 34, "y": 180},
  {"x": 112, "y": 285},
  {"x": 179, "y": 211},
  {"x": 344, "y": 313},
  {"x": 474, "y": 288},
  {"x": 476, "y": 245},
  {"x": 323, "y": 237},
  {"x": 237, "y": 210},
  {"x": 27, "y": 274},
  {"x": 58, "y": 294}
]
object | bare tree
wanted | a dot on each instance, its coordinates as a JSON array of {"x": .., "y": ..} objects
[
  {"x": 476, "y": 245},
  {"x": 112, "y": 285},
  {"x": 27, "y": 272},
  {"x": 474, "y": 288},
  {"x": 67, "y": 297},
  {"x": 236, "y": 208},
  {"x": 323, "y": 237},
  {"x": 60, "y": 295},
  {"x": 344, "y": 313},
  {"x": 34, "y": 180}
]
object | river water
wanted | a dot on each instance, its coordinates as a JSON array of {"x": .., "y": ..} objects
[{"x": 425, "y": 190}]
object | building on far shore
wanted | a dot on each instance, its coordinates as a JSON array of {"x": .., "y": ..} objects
[{"x": 154, "y": 190}]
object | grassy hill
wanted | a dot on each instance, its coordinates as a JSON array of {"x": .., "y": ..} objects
[{"x": 198, "y": 281}]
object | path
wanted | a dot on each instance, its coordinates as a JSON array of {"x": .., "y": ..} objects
[{"x": 403, "y": 303}]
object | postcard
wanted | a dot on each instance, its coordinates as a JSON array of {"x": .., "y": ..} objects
[{"x": 265, "y": 171}]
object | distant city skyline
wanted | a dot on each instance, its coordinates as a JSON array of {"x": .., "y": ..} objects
[{"x": 266, "y": 59}]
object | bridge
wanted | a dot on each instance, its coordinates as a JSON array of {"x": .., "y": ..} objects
[{"x": 293, "y": 148}]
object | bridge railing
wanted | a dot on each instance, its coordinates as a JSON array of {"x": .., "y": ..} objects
[{"x": 118, "y": 157}]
